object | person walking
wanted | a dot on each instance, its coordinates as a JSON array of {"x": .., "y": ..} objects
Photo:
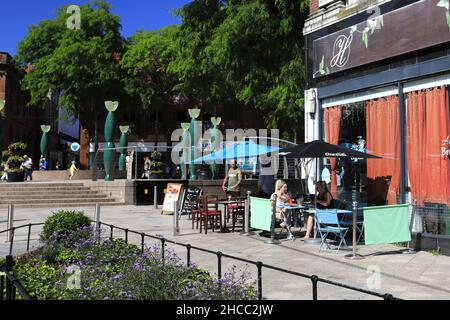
[
  {"x": 72, "y": 170},
  {"x": 28, "y": 167},
  {"x": 5, "y": 171},
  {"x": 43, "y": 164}
]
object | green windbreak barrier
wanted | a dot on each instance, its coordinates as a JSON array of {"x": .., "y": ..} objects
[
  {"x": 260, "y": 214},
  {"x": 386, "y": 224}
]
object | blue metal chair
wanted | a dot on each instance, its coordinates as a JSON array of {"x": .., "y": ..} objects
[{"x": 328, "y": 222}]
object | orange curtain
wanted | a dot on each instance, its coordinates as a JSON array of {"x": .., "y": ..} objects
[
  {"x": 415, "y": 143},
  {"x": 436, "y": 167},
  {"x": 332, "y": 128},
  {"x": 383, "y": 140}
]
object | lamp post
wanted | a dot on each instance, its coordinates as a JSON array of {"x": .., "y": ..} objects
[
  {"x": 193, "y": 113},
  {"x": 2, "y": 106},
  {"x": 44, "y": 139},
  {"x": 123, "y": 145},
  {"x": 111, "y": 106},
  {"x": 215, "y": 143},
  {"x": 185, "y": 146}
]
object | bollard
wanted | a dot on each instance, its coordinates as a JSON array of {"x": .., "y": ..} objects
[
  {"x": 272, "y": 226},
  {"x": 247, "y": 215},
  {"x": 354, "y": 256},
  {"x": 97, "y": 219},
  {"x": 10, "y": 223},
  {"x": 155, "y": 196},
  {"x": 176, "y": 227}
]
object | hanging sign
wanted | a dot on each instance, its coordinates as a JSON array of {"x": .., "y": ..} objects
[
  {"x": 171, "y": 197},
  {"x": 75, "y": 147}
]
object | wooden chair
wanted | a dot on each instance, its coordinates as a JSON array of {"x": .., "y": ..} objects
[
  {"x": 195, "y": 208},
  {"x": 238, "y": 214},
  {"x": 210, "y": 214}
]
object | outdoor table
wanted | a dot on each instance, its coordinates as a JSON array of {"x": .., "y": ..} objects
[
  {"x": 292, "y": 207},
  {"x": 226, "y": 203}
]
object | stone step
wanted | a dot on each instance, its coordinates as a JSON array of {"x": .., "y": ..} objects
[
  {"x": 46, "y": 189},
  {"x": 56, "y": 201},
  {"x": 58, "y": 206},
  {"x": 57, "y": 192},
  {"x": 39, "y": 184},
  {"x": 30, "y": 196}
]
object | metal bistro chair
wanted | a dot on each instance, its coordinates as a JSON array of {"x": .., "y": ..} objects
[{"x": 328, "y": 222}]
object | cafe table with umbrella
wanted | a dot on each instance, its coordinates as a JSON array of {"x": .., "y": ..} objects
[
  {"x": 319, "y": 149},
  {"x": 240, "y": 150}
]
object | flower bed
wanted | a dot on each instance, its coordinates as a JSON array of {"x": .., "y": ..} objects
[{"x": 77, "y": 265}]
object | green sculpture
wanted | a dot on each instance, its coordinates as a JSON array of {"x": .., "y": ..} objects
[
  {"x": 111, "y": 106},
  {"x": 193, "y": 113},
  {"x": 215, "y": 144},
  {"x": 44, "y": 139},
  {"x": 123, "y": 147},
  {"x": 185, "y": 150}
]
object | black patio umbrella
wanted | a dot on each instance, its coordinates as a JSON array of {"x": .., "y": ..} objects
[{"x": 322, "y": 149}]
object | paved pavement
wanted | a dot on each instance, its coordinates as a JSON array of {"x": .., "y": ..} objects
[{"x": 408, "y": 276}]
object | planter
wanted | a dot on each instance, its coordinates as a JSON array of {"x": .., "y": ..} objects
[{"x": 16, "y": 176}]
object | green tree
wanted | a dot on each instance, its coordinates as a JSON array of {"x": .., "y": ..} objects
[
  {"x": 249, "y": 50},
  {"x": 79, "y": 66},
  {"x": 145, "y": 65}
]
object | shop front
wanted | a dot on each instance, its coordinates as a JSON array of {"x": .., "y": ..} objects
[{"x": 381, "y": 85}]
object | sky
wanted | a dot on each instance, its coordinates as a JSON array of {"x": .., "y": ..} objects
[{"x": 17, "y": 15}]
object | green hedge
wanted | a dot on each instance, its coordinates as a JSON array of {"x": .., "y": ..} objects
[{"x": 62, "y": 222}]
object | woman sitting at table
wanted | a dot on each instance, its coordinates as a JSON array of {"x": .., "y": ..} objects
[
  {"x": 281, "y": 191},
  {"x": 324, "y": 200},
  {"x": 324, "y": 196}
]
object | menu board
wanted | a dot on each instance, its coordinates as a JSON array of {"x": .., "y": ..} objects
[
  {"x": 172, "y": 196},
  {"x": 192, "y": 193}
]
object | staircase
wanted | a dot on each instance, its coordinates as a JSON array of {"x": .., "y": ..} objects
[{"x": 51, "y": 195}]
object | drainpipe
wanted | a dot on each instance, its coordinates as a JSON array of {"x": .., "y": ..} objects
[{"x": 402, "y": 129}]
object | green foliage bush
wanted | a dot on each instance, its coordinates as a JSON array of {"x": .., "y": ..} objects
[
  {"x": 39, "y": 277},
  {"x": 62, "y": 222}
]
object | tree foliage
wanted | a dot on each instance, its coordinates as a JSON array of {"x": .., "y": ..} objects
[
  {"x": 248, "y": 50},
  {"x": 145, "y": 66},
  {"x": 245, "y": 51},
  {"x": 78, "y": 65}
]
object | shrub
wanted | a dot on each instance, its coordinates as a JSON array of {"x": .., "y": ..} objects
[
  {"x": 17, "y": 148},
  {"x": 14, "y": 164},
  {"x": 62, "y": 223},
  {"x": 38, "y": 278}
]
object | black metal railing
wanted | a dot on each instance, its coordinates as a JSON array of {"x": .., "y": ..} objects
[
  {"x": 9, "y": 285},
  {"x": 314, "y": 279}
]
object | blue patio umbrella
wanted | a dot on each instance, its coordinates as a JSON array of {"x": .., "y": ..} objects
[{"x": 243, "y": 149}]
